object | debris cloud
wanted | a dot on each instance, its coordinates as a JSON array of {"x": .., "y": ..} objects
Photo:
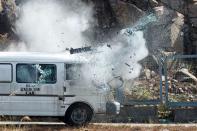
[{"x": 52, "y": 26}]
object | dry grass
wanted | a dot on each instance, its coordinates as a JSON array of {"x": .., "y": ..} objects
[{"x": 102, "y": 128}]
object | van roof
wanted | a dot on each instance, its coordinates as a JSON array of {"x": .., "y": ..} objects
[{"x": 41, "y": 57}]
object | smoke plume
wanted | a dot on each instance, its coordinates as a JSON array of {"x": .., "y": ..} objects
[{"x": 52, "y": 26}]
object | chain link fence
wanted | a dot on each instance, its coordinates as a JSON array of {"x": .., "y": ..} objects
[
  {"x": 144, "y": 90},
  {"x": 181, "y": 80}
]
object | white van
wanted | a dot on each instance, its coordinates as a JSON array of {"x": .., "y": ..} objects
[{"x": 44, "y": 84}]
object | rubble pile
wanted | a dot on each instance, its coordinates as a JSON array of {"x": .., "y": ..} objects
[
  {"x": 146, "y": 86},
  {"x": 182, "y": 81},
  {"x": 184, "y": 90}
]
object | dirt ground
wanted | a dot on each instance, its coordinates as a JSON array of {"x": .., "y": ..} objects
[{"x": 106, "y": 127}]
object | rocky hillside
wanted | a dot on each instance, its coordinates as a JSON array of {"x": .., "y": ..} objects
[{"x": 176, "y": 29}]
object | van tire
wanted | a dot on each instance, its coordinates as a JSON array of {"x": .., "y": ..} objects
[{"x": 78, "y": 115}]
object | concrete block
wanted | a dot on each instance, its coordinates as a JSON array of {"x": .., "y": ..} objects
[
  {"x": 138, "y": 114},
  {"x": 185, "y": 115}
]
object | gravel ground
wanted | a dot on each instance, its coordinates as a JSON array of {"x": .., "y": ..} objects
[{"x": 106, "y": 127}]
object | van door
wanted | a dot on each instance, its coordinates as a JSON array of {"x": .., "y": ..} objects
[
  {"x": 5, "y": 84},
  {"x": 37, "y": 88}
]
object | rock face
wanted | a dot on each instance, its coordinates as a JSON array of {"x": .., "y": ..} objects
[
  {"x": 175, "y": 31},
  {"x": 106, "y": 20},
  {"x": 192, "y": 20},
  {"x": 126, "y": 13},
  {"x": 177, "y": 27},
  {"x": 177, "y": 5},
  {"x": 7, "y": 17},
  {"x": 112, "y": 15},
  {"x": 193, "y": 10},
  {"x": 167, "y": 33}
]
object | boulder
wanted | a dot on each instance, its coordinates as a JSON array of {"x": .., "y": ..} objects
[
  {"x": 176, "y": 34},
  {"x": 194, "y": 29},
  {"x": 184, "y": 75},
  {"x": 154, "y": 3},
  {"x": 153, "y": 74},
  {"x": 1, "y": 7},
  {"x": 192, "y": 10},
  {"x": 194, "y": 22},
  {"x": 26, "y": 119},
  {"x": 141, "y": 4},
  {"x": 3, "y": 41},
  {"x": 178, "y": 5},
  {"x": 167, "y": 33},
  {"x": 147, "y": 74},
  {"x": 126, "y": 13},
  {"x": 8, "y": 7},
  {"x": 7, "y": 16}
]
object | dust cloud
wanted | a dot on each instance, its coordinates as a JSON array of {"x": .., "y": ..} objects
[{"x": 53, "y": 26}]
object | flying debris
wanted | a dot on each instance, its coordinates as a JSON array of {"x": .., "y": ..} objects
[
  {"x": 108, "y": 45},
  {"x": 141, "y": 25},
  {"x": 128, "y": 65},
  {"x": 80, "y": 50}
]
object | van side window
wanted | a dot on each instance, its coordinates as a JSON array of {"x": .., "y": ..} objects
[
  {"x": 36, "y": 73},
  {"x": 6, "y": 73},
  {"x": 26, "y": 73},
  {"x": 73, "y": 71}
]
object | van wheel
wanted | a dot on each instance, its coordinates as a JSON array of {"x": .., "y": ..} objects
[{"x": 78, "y": 115}]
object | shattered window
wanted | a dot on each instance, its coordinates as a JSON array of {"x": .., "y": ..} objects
[
  {"x": 46, "y": 73},
  {"x": 36, "y": 73},
  {"x": 73, "y": 71},
  {"x": 26, "y": 73}
]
